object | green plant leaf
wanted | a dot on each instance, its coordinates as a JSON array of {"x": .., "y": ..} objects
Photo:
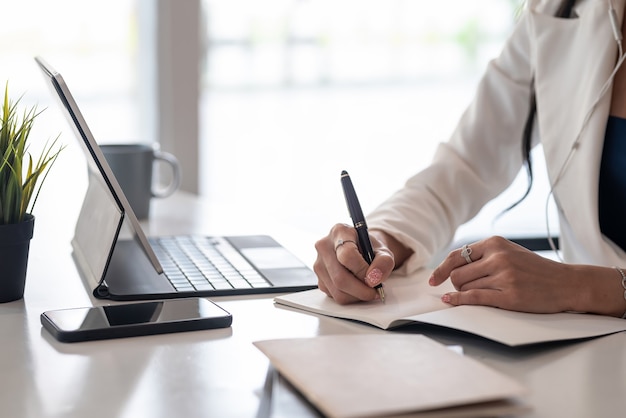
[{"x": 16, "y": 187}]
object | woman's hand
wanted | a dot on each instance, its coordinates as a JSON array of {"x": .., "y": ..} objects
[
  {"x": 503, "y": 274},
  {"x": 506, "y": 275},
  {"x": 342, "y": 272}
]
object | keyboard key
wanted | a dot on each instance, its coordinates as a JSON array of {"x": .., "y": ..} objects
[
  {"x": 240, "y": 284},
  {"x": 204, "y": 286},
  {"x": 184, "y": 288},
  {"x": 221, "y": 285}
]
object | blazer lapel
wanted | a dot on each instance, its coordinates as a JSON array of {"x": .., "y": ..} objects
[{"x": 574, "y": 59}]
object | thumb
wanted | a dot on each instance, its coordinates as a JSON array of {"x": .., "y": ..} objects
[{"x": 380, "y": 269}]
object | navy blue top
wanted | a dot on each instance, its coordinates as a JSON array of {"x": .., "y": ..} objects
[{"x": 612, "y": 192}]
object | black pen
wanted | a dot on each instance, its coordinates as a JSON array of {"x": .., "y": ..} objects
[{"x": 354, "y": 207}]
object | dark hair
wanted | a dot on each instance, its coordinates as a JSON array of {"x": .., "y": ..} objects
[{"x": 565, "y": 11}]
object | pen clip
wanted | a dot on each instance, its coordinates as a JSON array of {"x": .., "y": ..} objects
[
  {"x": 352, "y": 201},
  {"x": 358, "y": 219}
]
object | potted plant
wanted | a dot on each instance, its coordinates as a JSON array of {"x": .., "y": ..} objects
[{"x": 21, "y": 178}]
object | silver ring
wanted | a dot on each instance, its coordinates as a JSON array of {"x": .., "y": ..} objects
[
  {"x": 466, "y": 252},
  {"x": 340, "y": 242}
]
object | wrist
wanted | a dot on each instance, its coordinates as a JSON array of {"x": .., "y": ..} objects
[
  {"x": 623, "y": 283},
  {"x": 600, "y": 290}
]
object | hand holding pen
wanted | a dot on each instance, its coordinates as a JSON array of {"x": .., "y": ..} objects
[
  {"x": 343, "y": 269},
  {"x": 358, "y": 219}
]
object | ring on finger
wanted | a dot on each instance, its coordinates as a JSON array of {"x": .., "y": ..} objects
[
  {"x": 340, "y": 242},
  {"x": 466, "y": 251}
]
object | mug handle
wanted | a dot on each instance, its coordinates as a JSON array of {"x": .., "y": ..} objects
[{"x": 172, "y": 161}]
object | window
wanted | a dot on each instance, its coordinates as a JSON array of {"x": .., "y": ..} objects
[
  {"x": 297, "y": 90},
  {"x": 94, "y": 46},
  {"x": 294, "y": 91}
]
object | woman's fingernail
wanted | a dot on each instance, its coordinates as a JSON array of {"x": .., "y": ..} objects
[
  {"x": 431, "y": 280},
  {"x": 374, "y": 277},
  {"x": 445, "y": 298}
]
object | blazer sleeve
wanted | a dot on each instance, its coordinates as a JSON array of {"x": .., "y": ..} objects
[{"x": 479, "y": 161}]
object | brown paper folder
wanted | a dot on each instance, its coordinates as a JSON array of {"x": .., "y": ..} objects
[{"x": 375, "y": 375}]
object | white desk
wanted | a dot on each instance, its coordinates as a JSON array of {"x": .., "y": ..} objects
[{"x": 219, "y": 373}]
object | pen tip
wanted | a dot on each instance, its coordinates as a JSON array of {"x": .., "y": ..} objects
[
  {"x": 344, "y": 173},
  {"x": 381, "y": 293}
]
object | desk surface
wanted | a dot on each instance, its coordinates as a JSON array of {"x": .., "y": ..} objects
[{"x": 219, "y": 372}]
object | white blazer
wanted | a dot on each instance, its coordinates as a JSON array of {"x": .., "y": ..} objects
[{"x": 570, "y": 60}]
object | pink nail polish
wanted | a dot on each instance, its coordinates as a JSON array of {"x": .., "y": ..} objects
[
  {"x": 445, "y": 298},
  {"x": 431, "y": 281},
  {"x": 374, "y": 277}
]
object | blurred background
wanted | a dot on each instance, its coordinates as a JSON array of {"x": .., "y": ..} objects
[{"x": 266, "y": 101}]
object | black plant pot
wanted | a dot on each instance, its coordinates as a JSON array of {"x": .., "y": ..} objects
[{"x": 14, "y": 247}]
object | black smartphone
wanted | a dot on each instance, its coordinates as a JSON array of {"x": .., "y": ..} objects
[{"x": 135, "y": 319}]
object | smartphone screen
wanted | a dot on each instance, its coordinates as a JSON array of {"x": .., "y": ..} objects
[{"x": 134, "y": 319}]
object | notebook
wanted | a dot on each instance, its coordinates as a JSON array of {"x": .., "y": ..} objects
[
  {"x": 411, "y": 300},
  {"x": 117, "y": 260}
]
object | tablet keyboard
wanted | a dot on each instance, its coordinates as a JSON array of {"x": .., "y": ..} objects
[{"x": 205, "y": 263}]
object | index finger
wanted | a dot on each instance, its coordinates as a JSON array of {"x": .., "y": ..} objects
[{"x": 460, "y": 257}]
